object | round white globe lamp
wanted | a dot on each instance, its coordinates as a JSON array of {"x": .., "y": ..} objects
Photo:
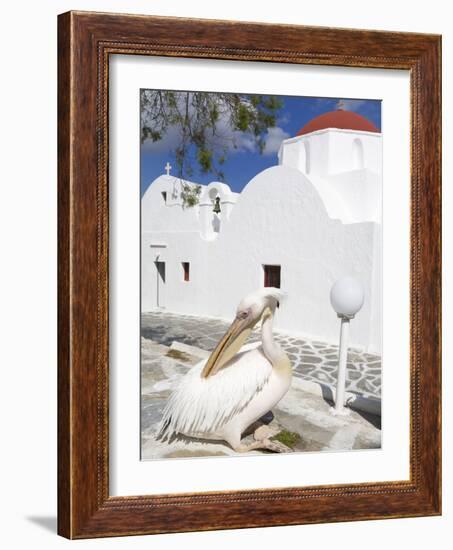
[{"x": 346, "y": 297}]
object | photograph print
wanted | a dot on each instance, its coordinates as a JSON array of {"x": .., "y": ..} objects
[{"x": 261, "y": 274}]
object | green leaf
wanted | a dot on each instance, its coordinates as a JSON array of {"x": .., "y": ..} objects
[
  {"x": 204, "y": 157},
  {"x": 199, "y": 119}
]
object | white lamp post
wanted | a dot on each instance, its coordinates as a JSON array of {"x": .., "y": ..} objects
[{"x": 346, "y": 297}]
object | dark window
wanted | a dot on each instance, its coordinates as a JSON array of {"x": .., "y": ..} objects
[
  {"x": 161, "y": 270},
  {"x": 186, "y": 270},
  {"x": 272, "y": 275},
  {"x": 164, "y": 196}
]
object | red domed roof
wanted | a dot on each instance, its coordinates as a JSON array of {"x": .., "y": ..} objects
[{"x": 344, "y": 120}]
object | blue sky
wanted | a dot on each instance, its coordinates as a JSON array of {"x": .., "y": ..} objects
[{"x": 243, "y": 164}]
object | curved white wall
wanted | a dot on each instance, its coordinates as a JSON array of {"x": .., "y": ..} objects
[{"x": 281, "y": 219}]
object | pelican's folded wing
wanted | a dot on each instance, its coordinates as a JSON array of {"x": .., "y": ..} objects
[{"x": 203, "y": 405}]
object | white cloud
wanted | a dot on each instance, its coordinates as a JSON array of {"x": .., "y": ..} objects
[
  {"x": 350, "y": 104},
  {"x": 234, "y": 141},
  {"x": 274, "y": 138}
]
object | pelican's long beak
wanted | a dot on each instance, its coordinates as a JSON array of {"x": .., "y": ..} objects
[{"x": 228, "y": 346}]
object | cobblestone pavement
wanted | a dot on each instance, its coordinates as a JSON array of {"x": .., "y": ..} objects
[
  {"x": 311, "y": 360},
  {"x": 299, "y": 412}
]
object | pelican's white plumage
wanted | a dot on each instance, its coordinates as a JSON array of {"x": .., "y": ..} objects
[
  {"x": 204, "y": 405},
  {"x": 219, "y": 398}
]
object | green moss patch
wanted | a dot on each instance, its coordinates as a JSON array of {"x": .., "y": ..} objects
[{"x": 290, "y": 439}]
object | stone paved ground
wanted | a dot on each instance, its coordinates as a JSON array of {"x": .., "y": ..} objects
[
  {"x": 299, "y": 412},
  {"x": 314, "y": 361}
]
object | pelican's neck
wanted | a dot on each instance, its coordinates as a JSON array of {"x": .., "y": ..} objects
[{"x": 271, "y": 349}]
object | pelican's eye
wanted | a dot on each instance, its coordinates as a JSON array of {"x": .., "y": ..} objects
[{"x": 243, "y": 314}]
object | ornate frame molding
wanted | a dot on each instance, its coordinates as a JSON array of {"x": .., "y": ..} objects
[{"x": 86, "y": 40}]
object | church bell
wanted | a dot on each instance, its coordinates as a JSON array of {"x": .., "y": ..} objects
[{"x": 216, "y": 208}]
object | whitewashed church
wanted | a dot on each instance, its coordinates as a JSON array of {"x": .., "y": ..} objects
[{"x": 300, "y": 225}]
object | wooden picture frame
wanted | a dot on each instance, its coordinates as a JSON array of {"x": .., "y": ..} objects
[{"x": 85, "y": 41}]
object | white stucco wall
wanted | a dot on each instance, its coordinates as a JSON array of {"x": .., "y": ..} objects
[
  {"x": 158, "y": 215},
  {"x": 351, "y": 197},
  {"x": 279, "y": 218},
  {"x": 174, "y": 234},
  {"x": 346, "y": 168},
  {"x": 331, "y": 151},
  {"x": 342, "y": 157}
]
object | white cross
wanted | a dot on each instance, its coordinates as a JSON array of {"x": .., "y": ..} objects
[{"x": 168, "y": 168}]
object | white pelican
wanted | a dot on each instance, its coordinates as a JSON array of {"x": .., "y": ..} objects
[{"x": 219, "y": 398}]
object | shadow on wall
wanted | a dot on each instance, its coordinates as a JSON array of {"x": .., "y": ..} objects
[{"x": 216, "y": 224}]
